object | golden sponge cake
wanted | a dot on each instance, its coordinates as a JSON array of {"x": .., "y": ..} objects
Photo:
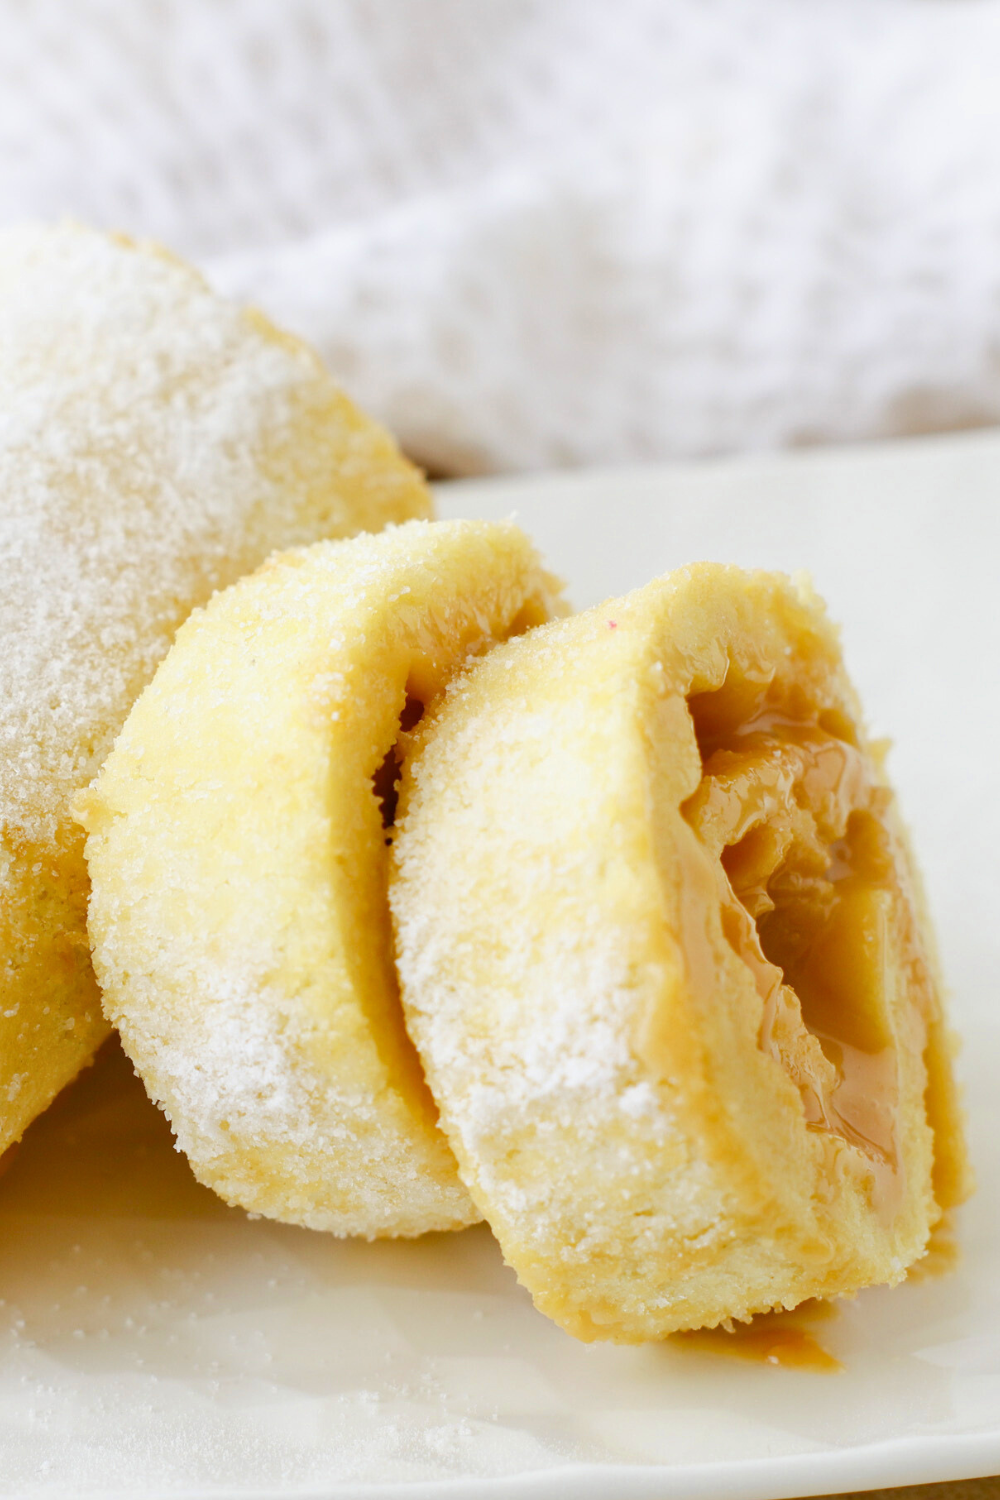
[{"x": 155, "y": 443}]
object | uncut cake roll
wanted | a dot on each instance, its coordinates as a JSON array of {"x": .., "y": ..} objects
[
  {"x": 155, "y": 443},
  {"x": 663, "y": 952}
]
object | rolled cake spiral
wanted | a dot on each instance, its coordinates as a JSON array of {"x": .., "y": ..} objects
[
  {"x": 155, "y": 443},
  {"x": 238, "y": 852},
  {"x": 662, "y": 952}
]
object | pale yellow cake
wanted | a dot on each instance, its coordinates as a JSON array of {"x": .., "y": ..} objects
[
  {"x": 238, "y": 846},
  {"x": 662, "y": 952},
  {"x": 155, "y": 443}
]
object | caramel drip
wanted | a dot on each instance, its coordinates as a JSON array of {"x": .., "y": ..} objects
[
  {"x": 942, "y": 1255},
  {"x": 775, "y": 1338},
  {"x": 793, "y": 813}
]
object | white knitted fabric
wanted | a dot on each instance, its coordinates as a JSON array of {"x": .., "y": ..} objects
[{"x": 541, "y": 232}]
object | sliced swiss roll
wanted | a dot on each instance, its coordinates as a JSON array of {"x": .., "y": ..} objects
[
  {"x": 663, "y": 952},
  {"x": 238, "y": 851}
]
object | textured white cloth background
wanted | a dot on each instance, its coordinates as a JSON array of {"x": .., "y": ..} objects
[{"x": 542, "y": 232}]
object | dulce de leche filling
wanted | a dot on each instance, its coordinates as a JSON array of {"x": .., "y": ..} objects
[{"x": 792, "y": 810}]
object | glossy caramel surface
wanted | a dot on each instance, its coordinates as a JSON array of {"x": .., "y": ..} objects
[
  {"x": 794, "y": 810},
  {"x": 775, "y": 1338}
]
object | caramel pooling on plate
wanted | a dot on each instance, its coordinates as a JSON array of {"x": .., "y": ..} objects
[{"x": 663, "y": 955}]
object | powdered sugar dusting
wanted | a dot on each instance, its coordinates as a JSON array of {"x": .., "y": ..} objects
[
  {"x": 151, "y": 449},
  {"x": 240, "y": 1084},
  {"x": 571, "y": 1073},
  {"x": 525, "y": 965},
  {"x": 237, "y": 853}
]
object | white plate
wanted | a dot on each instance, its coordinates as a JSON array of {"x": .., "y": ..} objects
[{"x": 154, "y": 1342}]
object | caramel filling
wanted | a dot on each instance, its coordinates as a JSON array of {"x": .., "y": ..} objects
[
  {"x": 791, "y": 809},
  {"x": 385, "y": 782}
]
